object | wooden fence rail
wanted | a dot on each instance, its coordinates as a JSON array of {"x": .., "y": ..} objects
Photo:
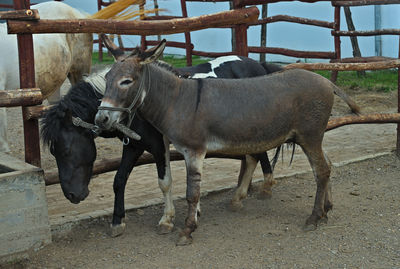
[
  {"x": 138, "y": 27},
  {"x": 108, "y": 165}
]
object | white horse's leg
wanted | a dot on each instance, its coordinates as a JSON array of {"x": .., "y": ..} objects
[
  {"x": 3, "y": 122},
  {"x": 166, "y": 222},
  {"x": 54, "y": 97},
  {"x": 3, "y": 131},
  {"x": 241, "y": 191}
]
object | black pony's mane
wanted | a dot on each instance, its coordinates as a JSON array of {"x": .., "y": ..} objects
[{"x": 81, "y": 101}]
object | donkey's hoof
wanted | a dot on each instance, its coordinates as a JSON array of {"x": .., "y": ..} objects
[
  {"x": 117, "y": 230},
  {"x": 309, "y": 227},
  {"x": 323, "y": 220},
  {"x": 184, "y": 240},
  {"x": 313, "y": 221},
  {"x": 264, "y": 195},
  {"x": 235, "y": 206},
  {"x": 165, "y": 228}
]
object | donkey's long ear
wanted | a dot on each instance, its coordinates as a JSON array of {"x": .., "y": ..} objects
[
  {"x": 114, "y": 49},
  {"x": 152, "y": 54}
]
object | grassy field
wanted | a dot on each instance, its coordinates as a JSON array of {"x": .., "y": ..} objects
[{"x": 381, "y": 80}]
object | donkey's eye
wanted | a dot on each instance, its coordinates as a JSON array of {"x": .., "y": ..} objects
[{"x": 126, "y": 82}]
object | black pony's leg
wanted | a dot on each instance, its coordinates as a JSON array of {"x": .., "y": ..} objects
[
  {"x": 129, "y": 157},
  {"x": 269, "y": 181}
]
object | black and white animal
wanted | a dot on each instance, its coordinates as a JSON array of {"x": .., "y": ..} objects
[
  {"x": 232, "y": 116},
  {"x": 75, "y": 151}
]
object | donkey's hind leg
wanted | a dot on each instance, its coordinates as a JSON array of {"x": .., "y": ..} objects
[
  {"x": 248, "y": 166},
  {"x": 269, "y": 181},
  {"x": 166, "y": 223},
  {"x": 322, "y": 169}
]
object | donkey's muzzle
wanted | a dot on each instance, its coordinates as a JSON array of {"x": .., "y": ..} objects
[{"x": 103, "y": 120}]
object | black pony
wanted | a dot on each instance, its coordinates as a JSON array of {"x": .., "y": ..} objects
[{"x": 75, "y": 151}]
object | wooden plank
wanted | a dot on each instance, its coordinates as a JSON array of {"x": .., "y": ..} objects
[
  {"x": 346, "y": 66},
  {"x": 367, "y": 33},
  {"x": 363, "y": 119},
  {"x": 363, "y": 59},
  {"x": 365, "y": 2},
  {"x": 137, "y": 27},
  {"x": 286, "y": 18},
  {"x": 294, "y": 53},
  {"x": 36, "y": 112},
  {"x": 23, "y": 14},
  {"x": 108, "y": 165},
  {"x": 20, "y": 97}
]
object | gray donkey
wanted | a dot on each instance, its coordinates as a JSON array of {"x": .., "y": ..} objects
[{"x": 241, "y": 116}]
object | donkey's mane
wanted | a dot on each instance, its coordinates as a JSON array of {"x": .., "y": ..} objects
[
  {"x": 167, "y": 66},
  {"x": 81, "y": 101}
]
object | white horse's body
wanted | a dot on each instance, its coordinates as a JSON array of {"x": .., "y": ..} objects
[{"x": 57, "y": 56}]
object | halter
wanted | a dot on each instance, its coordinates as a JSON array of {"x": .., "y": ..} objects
[
  {"x": 96, "y": 129},
  {"x": 129, "y": 110}
]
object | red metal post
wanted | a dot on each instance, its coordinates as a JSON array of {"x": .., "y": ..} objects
[
  {"x": 27, "y": 80},
  {"x": 188, "y": 41},
  {"x": 337, "y": 41}
]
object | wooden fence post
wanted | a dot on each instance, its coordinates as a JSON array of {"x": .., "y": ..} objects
[
  {"x": 27, "y": 80},
  {"x": 334, "y": 74}
]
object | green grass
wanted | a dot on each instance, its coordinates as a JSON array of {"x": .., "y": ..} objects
[
  {"x": 106, "y": 58},
  {"x": 381, "y": 80},
  {"x": 174, "y": 60}
]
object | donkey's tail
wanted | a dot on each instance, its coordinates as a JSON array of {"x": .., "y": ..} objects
[{"x": 353, "y": 106}]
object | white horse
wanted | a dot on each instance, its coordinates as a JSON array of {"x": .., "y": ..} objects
[{"x": 57, "y": 56}]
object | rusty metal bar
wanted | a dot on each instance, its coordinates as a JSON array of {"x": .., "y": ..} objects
[
  {"x": 20, "y": 97},
  {"x": 27, "y": 80}
]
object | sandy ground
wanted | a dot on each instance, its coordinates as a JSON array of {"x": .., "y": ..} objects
[{"x": 363, "y": 230}]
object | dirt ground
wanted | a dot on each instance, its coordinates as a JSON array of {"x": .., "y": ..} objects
[{"x": 363, "y": 229}]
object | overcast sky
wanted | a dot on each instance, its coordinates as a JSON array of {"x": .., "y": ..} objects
[{"x": 282, "y": 34}]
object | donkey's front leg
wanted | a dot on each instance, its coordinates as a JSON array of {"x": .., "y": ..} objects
[
  {"x": 194, "y": 169},
  {"x": 166, "y": 224},
  {"x": 130, "y": 155}
]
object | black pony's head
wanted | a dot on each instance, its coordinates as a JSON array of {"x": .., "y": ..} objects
[{"x": 72, "y": 146}]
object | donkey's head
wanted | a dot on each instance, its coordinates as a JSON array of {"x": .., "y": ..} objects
[{"x": 127, "y": 83}]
